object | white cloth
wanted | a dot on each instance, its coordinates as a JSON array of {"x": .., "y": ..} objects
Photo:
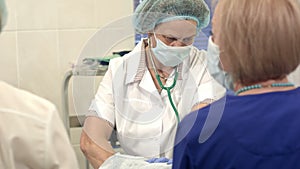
[
  {"x": 32, "y": 134},
  {"x": 145, "y": 121},
  {"x": 294, "y": 77},
  {"x": 121, "y": 161}
]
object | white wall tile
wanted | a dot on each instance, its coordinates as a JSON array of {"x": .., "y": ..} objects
[
  {"x": 106, "y": 39},
  {"x": 126, "y": 43},
  {"x": 38, "y": 64},
  {"x": 76, "y": 14},
  {"x": 109, "y": 11},
  {"x": 71, "y": 43},
  {"x": 36, "y": 14},
  {"x": 70, "y": 47},
  {"x": 8, "y": 58}
]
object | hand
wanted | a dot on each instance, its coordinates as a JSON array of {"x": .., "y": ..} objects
[
  {"x": 160, "y": 160},
  {"x": 94, "y": 144}
]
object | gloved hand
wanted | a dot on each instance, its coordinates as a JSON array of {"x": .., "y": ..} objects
[{"x": 160, "y": 160}]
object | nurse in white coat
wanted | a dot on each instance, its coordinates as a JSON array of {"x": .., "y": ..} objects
[{"x": 144, "y": 94}]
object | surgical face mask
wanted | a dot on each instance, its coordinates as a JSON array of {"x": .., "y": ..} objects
[
  {"x": 213, "y": 52},
  {"x": 170, "y": 55},
  {"x": 214, "y": 65}
]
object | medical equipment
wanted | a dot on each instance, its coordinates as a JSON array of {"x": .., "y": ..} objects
[
  {"x": 89, "y": 67},
  {"x": 168, "y": 89}
]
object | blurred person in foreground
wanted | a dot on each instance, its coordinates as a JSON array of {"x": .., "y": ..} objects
[
  {"x": 258, "y": 127},
  {"x": 32, "y": 134}
]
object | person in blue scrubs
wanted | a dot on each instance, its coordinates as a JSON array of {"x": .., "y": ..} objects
[{"x": 258, "y": 127}]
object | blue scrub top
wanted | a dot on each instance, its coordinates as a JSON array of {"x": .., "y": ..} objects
[{"x": 242, "y": 132}]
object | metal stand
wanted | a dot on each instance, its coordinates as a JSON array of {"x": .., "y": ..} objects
[{"x": 65, "y": 94}]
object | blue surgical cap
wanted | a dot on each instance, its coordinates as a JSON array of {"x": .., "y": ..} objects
[
  {"x": 150, "y": 13},
  {"x": 3, "y": 13}
]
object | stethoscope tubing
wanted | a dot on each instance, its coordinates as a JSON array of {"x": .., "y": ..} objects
[{"x": 168, "y": 89}]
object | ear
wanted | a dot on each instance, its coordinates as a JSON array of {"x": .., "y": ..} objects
[{"x": 152, "y": 40}]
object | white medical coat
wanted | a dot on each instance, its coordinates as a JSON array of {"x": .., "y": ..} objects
[
  {"x": 31, "y": 133},
  {"x": 143, "y": 117}
]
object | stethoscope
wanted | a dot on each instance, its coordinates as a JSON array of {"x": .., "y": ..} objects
[{"x": 168, "y": 89}]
